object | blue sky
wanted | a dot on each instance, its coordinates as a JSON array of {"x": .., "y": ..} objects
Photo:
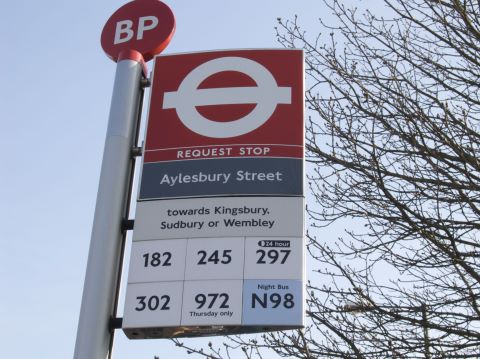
[{"x": 55, "y": 90}]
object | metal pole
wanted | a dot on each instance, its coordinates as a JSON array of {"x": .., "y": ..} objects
[{"x": 104, "y": 258}]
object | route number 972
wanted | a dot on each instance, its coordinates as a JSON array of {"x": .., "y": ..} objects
[{"x": 212, "y": 299}]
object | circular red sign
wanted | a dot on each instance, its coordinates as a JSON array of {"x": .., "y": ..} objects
[{"x": 146, "y": 26}]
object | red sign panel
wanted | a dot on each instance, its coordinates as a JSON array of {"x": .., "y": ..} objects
[{"x": 223, "y": 104}]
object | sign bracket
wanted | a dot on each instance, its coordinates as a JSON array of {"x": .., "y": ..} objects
[
  {"x": 127, "y": 224},
  {"x": 136, "y": 151},
  {"x": 115, "y": 323},
  {"x": 145, "y": 83}
]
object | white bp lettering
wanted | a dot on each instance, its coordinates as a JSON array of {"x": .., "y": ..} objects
[{"x": 124, "y": 31}]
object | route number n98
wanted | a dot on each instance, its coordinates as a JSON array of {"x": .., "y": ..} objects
[{"x": 274, "y": 300}]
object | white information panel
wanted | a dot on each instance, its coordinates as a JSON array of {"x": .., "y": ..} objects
[{"x": 226, "y": 279}]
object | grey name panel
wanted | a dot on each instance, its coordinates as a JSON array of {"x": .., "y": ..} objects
[{"x": 222, "y": 177}]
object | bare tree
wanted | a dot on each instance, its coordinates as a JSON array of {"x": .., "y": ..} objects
[{"x": 393, "y": 144}]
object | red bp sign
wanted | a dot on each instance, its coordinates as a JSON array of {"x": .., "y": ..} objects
[
  {"x": 146, "y": 26},
  {"x": 218, "y": 244},
  {"x": 241, "y": 112}
]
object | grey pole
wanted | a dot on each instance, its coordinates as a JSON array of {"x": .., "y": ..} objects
[{"x": 93, "y": 333}]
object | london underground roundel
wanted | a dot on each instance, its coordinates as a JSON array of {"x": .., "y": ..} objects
[{"x": 266, "y": 95}]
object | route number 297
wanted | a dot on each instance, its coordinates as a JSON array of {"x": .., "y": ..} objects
[{"x": 272, "y": 256}]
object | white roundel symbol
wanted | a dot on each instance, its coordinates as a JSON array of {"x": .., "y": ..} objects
[{"x": 266, "y": 95}]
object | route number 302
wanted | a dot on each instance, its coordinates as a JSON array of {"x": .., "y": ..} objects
[{"x": 152, "y": 303}]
